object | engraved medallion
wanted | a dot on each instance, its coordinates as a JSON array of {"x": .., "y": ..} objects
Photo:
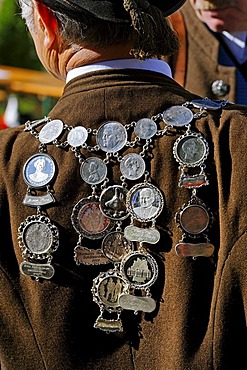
[
  {"x": 144, "y": 202},
  {"x": 177, "y": 116},
  {"x": 142, "y": 235},
  {"x": 37, "y": 270},
  {"x": 115, "y": 246},
  {"x": 89, "y": 221},
  {"x": 193, "y": 219},
  {"x": 109, "y": 326},
  {"x": 38, "y": 200},
  {"x": 39, "y": 170},
  {"x": 132, "y": 166},
  {"x": 140, "y": 270},
  {"x": 190, "y": 149},
  {"x": 145, "y": 128},
  {"x": 136, "y": 303},
  {"x": 113, "y": 202},
  {"x": 111, "y": 137},
  {"x": 37, "y": 236},
  {"x": 107, "y": 287},
  {"x": 193, "y": 181},
  {"x": 183, "y": 249},
  {"x": 51, "y": 131},
  {"x": 77, "y": 136},
  {"x": 87, "y": 256},
  {"x": 93, "y": 170}
]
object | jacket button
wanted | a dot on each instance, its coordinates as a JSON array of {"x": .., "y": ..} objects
[{"x": 220, "y": 88}]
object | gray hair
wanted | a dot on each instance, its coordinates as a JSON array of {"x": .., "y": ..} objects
[{"x": 158, "y": 39}]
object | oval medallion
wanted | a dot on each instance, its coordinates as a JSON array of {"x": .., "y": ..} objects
[
  {"x": 93, "y": 170},
  {"x": 144, "y": 202},
  {"x": 194, "y": 219},
  {"x": 39, "y": 170},
  {"x": 77, "y": 136},
  {"x": 89, "y": 221},
  {"x": 132, "y": 166},
  {"x": 113, "y": 202},
  {"x": 145, "y": 128},
  {"x": 177, "y": 116},
  {"x": 190, "y": 150},
  {"x": 139, "y": 269},
  {"x": 115, "y": 246},
  {"x": 51, "y": 131},
  {"x": 111, "y": 137}
]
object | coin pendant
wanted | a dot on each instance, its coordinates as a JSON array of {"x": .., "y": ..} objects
[
  {"x": 115, "y": 246},
  {"x": 37, "y": 236},
  {"x": 145, "y": 128},
  {"x": 113, "y": 202},
  {"x": 140, "y": 270},
  {"x": 106, "y": 289},
  {"x": 111, "y": 136},
  {"x": 177, "y": 116},
  {"x": 190, "y": 149},
  {"x": 193, "y": 219},
  {"x": 144, "y": 202},
  {"x": 89, "y": 221},
  {"x": 93, "y": 170},
  {"x": 132, "y": 166},
  {"x": 51, "y": 131},
  {"x": 39, "y": 170},
  {"x": 77, "y": 136}
]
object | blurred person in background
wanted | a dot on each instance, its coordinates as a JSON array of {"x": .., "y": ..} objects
[{"x": 212, "y": 60}]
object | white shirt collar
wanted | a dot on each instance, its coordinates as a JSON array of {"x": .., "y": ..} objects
[
  {"x": 236, "y": 42},
  {"x": 153, "y": 65}
]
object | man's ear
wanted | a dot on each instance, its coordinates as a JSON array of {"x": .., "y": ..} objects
[{"x": 47, "y": 23}]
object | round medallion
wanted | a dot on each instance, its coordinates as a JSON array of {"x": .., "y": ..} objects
[
  {"x": 190, "y": 150},
  {"x": 113, "y": 202},
  {"x": 132, "y": 166},
  {"x": 107, "y": 287},
  {"x": 115, "y": 246},
  {"x": 177, "y": 116},
  {"x": 145, "y": 128},
  {"x": 93, "y": 170},
  {"x": 194, "y": 219},
  {"x": 89, "y": 221},
  {"x": 77, "y": 136},
  {"x": 111, "y": 137},
  {"x": 51, "y": 131},
  {"x": 37, "y": 236},
  {"x": 140, "y": 270},
  {"x": 144, "y": 202},
  {"x": 39, "y": 170}
]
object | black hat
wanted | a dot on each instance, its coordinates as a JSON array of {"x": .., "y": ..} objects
[{"x": 109, "y": 10}]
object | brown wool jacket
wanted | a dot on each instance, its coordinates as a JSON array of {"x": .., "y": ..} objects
[
  {"x": 200, "y": 318},
  {"x": 199, "y": 59}
]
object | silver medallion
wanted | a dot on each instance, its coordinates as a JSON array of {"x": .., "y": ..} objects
[
  {"x": 89, "y": 221},
  {"x": 106, "y": 289},
  {"x": 144, "y": 202},
  {"x": 132, "y": 166},
  {"x": 77, "y": 136},
  {"x": 145, "y": 128},
  {"x": 190, "y": 149},
  {"x": 93, "y": 170},
  {"x": 111, "y": 137},
  {"x": 38, "y": 200},
  {"x": 193, "y": 219},
  {"x": 113, "y": 202},
  {"x": 140, "y": 270},
  {"x": 115, "y": 246},
  {"x": 39, "y": 170},
  {"x": 142, "y": 235},
  {"x": 37, "y": 236},
  {"x": 37, "y": 270},
  {"x": 51, "y": 131},
  {"x": 136, "y": 303},
  {"x": 177, "y": 116},
  {"x": 207, "y": 104}
]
